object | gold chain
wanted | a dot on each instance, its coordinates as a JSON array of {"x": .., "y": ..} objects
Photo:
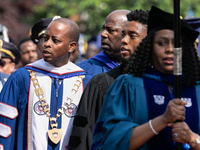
[{"x": 40, "y": 94}]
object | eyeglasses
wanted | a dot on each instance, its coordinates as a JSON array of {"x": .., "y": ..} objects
[{"x": 3, "y": 62}]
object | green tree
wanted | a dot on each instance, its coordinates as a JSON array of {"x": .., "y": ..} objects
[
  {"x": 13, "y": 14},
  {"x": 20, "y": 15},
  {"x": 92, "y": 13}
]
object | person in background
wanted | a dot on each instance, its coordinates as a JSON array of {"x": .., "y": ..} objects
[
  {"x": 75, "y": 56},
  {"x": 10, "y": 57},
  {"x": 92, "y": 99},
  {"x": 3, "y": 76},
  {"x": 92, "y": 50},
  {"x": 28, "y": 51},
  {"x": 139, "y": 109},
  {"x": 111, "y": 37},
  {"x": 37, "y": 33},
  {"x": 38, "y": 101},
  {"x": 3, "y": 36}
]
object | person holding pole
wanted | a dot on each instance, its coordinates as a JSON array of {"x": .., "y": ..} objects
[{"x": 139, "y": 109}]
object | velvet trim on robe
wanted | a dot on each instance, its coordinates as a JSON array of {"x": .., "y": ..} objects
[
  {"x": 125, "y": 107},
  {"x": 15, "y": 95},
  {"x": 94, "y": 66},
  {"x": 158, "y": 96}
]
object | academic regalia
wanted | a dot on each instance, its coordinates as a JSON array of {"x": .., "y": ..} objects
[
  {"x": 89, "y": 108},
  {"x": 97, "y": 64},
  {"x": 19, "y": 128},
  {"x": 132, "y": 101}
]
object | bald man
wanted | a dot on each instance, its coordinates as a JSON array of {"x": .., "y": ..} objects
[
  {"x": 89, "y": 108},
  {"x": 111, "y": 37},
  {"x": 38, "y": 109}
]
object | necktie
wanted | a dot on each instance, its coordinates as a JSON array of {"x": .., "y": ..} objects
[{"x": 56, "y": 84}]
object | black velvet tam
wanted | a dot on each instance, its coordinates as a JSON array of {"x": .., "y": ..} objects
[
  {"x": 158, "y": 20},
  {"x": 39, "y": 28}
]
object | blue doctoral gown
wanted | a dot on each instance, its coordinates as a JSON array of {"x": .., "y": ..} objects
[
  {"x": 125, "y": 107},
  {"x": 3, "y": 78},
  {"x": 98, "y": 64},
  {"x": 15, "y": 95}
]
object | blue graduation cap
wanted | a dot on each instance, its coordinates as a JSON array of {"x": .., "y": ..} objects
[{"x": 195, "y": 23}]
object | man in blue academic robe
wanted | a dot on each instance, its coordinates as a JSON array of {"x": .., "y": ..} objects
[
  {"x": 39, "y": 101},
  {"x": 111, "y": 37}
]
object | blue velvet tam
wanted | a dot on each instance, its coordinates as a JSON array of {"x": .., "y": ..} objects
[
  {"x": 159, "y": 19},
  {"x": 194, "y": 23}
]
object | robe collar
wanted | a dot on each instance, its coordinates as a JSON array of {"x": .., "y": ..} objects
[
  {"x": 65, "y": 71},
  {"x": 105, "y": 60},
  {"x": 159, "y": 76}
]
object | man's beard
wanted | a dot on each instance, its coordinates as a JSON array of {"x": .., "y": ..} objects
[
  {"x": 125, "y": 60},
  {"x": 108, "y": 53},
  {"x": 113, "y": 55}
]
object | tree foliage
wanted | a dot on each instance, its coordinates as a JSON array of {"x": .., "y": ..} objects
[
  {"x": 13, "y": 14},
  {"x": 20, "y": 15},
  {"x": 90, "y": 14}
]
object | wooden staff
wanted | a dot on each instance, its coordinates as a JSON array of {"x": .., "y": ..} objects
[
  {"x": 177, "y": 56},
  {"x": 1, "y": 44}
]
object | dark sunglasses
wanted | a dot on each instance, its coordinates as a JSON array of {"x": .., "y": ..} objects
[{"x": 3, "y": 62}]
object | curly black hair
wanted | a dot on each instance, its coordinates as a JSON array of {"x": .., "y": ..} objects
[
  {"x": 140, "y": 60},
  {"x": 23, "y": 40},
  {"x": 191, "y": 62},
  {"x": 140, "y": 16}
]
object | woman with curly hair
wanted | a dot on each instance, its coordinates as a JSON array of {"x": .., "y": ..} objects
[{"x": 140, "y": 111}]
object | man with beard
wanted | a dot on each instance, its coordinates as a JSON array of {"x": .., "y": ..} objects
[
  {"x": 92, "y": 99},
  {"x": 111, "y": 37},
  {"x": 28, "y": 51}
]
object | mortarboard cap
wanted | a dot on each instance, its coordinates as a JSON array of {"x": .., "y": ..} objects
[
  {"x": 158, "y": 20},
  {"x": 195, "y": 24},
  {"x": 9, "y": 50},
  {"x": 40, "y": 27}
]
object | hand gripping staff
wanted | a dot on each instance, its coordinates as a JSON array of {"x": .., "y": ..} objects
[{"x": 177, "y": 56}]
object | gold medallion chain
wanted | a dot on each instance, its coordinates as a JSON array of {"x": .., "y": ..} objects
[{"x": 40, "y": 94}]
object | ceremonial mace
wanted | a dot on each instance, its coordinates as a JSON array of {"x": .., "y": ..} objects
[
  {"x": 177, "y": 56},
  {"x": 1, "y": 44}
]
